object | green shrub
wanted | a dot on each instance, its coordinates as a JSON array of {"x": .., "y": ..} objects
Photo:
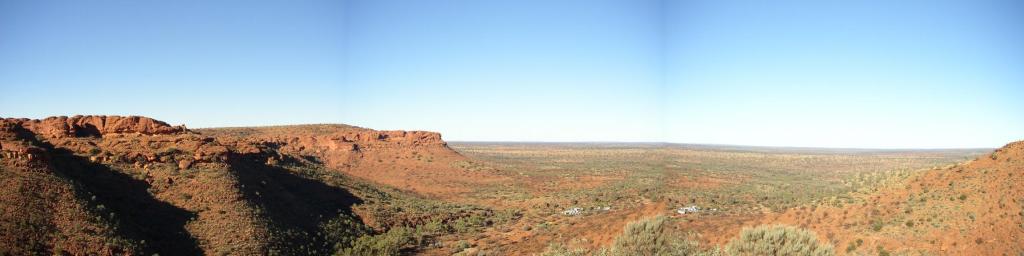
[
  {"x": 853, "y": 245},
  {"x": 424, "y": 232},
  {"x": 651, "y": 237},
  {"x": 644, "y": 237},
  {"x": 342, "y": 231},
  {"x": 560, "y": 250},
  {"x": 777, "y": 240},
  {"x": 461, "y": 246},
  {"x": 882, "y": 251},
  {"x": 470, "y": 224},
  {"x": 876, "y": 225},
  {"x": 389, "y": 243}
]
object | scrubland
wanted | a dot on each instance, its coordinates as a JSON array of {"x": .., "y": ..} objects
[{"x": 100, "y": 185}]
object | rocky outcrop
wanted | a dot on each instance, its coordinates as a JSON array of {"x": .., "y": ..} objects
[
  {"x": 95, "y": 126},
  {"x": 415, "y": 161},
  {"x": 336, "y": 146},
  {"x": 355, "y": 140},
  {"x": 19, "y": 151},
  {"x": 187, "y": 186},
  {"x": 397, "y": 138},
  {"x": 109, "y": 140},
  {"x": 13, "y": 147},
  {"x": 129, "y": 140}
]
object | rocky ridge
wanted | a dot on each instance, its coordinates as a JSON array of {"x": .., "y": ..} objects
[
  {"x": 144, "y": 186},
  {"x": 95, "y": 126}
]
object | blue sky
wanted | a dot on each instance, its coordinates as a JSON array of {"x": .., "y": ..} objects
[{"x": 885, "y": 74}]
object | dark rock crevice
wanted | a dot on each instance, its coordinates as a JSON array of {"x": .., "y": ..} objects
[
  {"x": 298, "y": 207},
  {"x": 139, "y": 216}
]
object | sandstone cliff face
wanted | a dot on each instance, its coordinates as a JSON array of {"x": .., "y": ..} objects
[
  {"x": 95, "y": 126},
  {"x": 13, "y": 145},
  {"x": 138, "y": 179},
  {"x": 124, "y": 173},
  {"x": 395, "y": 138},
  {"x": 345, "y": 149},
  {"x": 129, "y": 140},
  {"x": 125, "y": 140},
  {"x": 414, "y": 161},
  {"x": 336, "y": 146}
]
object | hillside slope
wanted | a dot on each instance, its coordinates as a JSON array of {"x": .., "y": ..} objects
[
  {"x": 42, "y": 210},
  {"x": 417, "y": 161},
  {"x": 110, "y": 185},
  {"x": 972, "y": 208}
]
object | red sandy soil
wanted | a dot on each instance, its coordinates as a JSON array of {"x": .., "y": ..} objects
[{"x": 973, "y": 208}]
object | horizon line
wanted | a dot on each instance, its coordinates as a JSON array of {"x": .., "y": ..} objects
[
  {"x": 898, "y": 148},
  {"x": 722, "y": 145}
]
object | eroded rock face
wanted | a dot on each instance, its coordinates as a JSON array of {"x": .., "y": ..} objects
[
  {"x": 106, "y": 139},
  {"x": 13, "y": 147},
  {"x": 132, "y": 165},
  {"x": 96, "y": 126},
  {"x": 417, "y": 161},
  {"x": 398, "y": 138},
  {"x": 185, "y": 185},
  {"x": 22, "y": 153},
  {"x": 339, "y": 148},
  {"x": 130, "y": 140}
]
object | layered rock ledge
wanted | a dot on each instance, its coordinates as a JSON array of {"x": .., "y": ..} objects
[{"x": 94, "y": 126}]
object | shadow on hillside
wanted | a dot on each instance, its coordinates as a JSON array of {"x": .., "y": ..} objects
[
  {"x": 141, "y": 217},
  {"x": 296, "y": 205}
]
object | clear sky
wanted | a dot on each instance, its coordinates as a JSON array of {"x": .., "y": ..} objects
[{"x": 908, "y": 74}]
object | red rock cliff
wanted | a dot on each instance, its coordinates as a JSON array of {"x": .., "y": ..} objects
[{"x": 95, "y": 126}]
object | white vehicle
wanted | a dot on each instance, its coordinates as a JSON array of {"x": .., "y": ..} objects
[
  {"x": 573, "y": 211},
  {"x": 688, "y": 209}
]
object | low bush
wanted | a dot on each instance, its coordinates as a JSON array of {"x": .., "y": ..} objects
[
  {"x": 876, "y": 225},
  {"x": 644, "y": 237},
  {"x": 777, "y": 240},
  {"x": 388, "y": 243},
  {"x": 560, "y": 250},
  {"x": 651, "y": 237}
]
